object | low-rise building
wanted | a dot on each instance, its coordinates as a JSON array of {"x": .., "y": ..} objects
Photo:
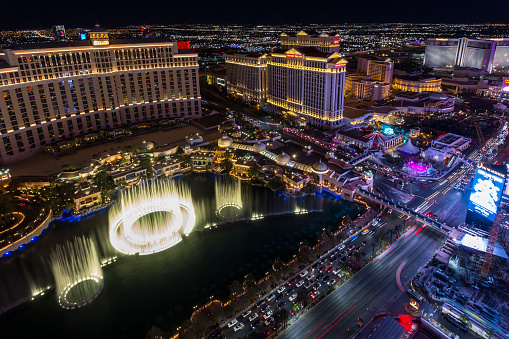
[
  {"x": 166, "y": 167},
  {"x": 87, "y": 195},
  {"x": 370, "y": 90},
  {"x": 128, "y": 174},
  {"x": 417, "y": 83},
  {"x": 352, "y": 138},
  {"x": 202, "y": 161},
  {"x": 452, "y": 141},
  {"x": 243, "y": 165},
  {"x": 295, "y": 180}
]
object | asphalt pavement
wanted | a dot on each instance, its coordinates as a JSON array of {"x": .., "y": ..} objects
[
  {"x": 374, "y": 287},
  {"x": 372, "y": 290}
]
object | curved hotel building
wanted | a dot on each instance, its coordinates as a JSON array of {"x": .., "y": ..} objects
[{"x": 53, "y": 91}]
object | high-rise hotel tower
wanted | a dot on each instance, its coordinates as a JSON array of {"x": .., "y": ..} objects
[{"x": 53, "y": 91}]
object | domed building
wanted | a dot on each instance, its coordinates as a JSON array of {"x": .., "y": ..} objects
[
  {"x": 282, "y": 159},
  {"x": 225, "y": 141},
  {"x": 258, "y": 147},
  {"x": 320, "y": 168},
  {"x": 147, "y": 145}
]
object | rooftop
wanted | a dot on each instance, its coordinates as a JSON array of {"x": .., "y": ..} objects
[
  {"x": 353, "y": 113},
  {"x": 85, "y": 43}
]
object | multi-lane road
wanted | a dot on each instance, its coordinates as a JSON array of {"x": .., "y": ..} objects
[{"x": 378, "y": 287}]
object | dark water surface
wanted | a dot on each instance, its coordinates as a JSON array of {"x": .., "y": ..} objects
[{"x": 160, "y": 289}]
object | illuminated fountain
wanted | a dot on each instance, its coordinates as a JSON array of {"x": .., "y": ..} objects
[
  {"x": 78, "y": 273},
  {"x": 228, "y": 198},
  {"x": 151, "y": 217}
]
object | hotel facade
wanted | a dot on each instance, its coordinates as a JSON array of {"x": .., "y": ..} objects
[
  {"x": 54, "y": 91},
  {"x": 246, "y": 76},
  {"x": 323, "y": 42},
  {"x": 306, "y": 85}
]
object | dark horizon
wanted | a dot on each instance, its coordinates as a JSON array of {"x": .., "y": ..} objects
[{"x": 39, "y": 15}]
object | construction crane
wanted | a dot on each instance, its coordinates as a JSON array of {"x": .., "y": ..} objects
[{"x": 492, "y": 241}]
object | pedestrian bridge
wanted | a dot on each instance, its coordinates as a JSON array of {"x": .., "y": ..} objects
[{"x": 443, "y": 228}]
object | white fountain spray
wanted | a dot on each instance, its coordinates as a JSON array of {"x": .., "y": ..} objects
[
  {"x": 78, "y": 273},
  {"x": 228, "y": 198},
  {"x": 151, "y": 217}
]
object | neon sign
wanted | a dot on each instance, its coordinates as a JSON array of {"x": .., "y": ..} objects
[
  {"x": 100, "y": 42},
  {"x": 505, "y": 86},
  {"x": 336, "y": 42},
  {"x": 340, "y": 65},
  {"x": 294, "y": 56}
]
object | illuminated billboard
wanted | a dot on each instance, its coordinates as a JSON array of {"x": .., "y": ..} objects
[
  {"x": 487, "y": 190},
  {"x": 505, "y": 84}
]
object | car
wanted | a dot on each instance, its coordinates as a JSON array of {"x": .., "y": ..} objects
[
  {"x": 331, "y": 261},
  {"x": 331, "y": 282},
  {"x": 337, "y": 271},
  {"x": 216, "y": 333},
  {"x": 290, "y": 291},
  {"x": 311, "y": 277},
  {"x": 293, "y": 281},
  {"x": 253, "y": 316},
  {"x": 321, "y": 269},
  {"x": 300, "y": 283},
  {"x": 238, "y": 327},
  {"x": 325, "y": 279},
  {"x": 316, "y": 285},
  {"x": 265, "y": 309},
  {"x": 232, "y": 322},
  {"x": 315, "y": 294},
  {"x": 279, "y": 297},
  {"x": 246, "y": 313},
  {"x": 271, "y": 297},
  {"x": 281, "y": 305},
  {"x": 350, "y": 254},
  {"x": 260, "y": 303},
  {"x": 293, "y": 297},
  {"x": 281, "y": 289},
  {"x": 351, "y": 247},
  {"x": 268, "y": 314},
  {"x": 308, "y": 285},
  {"x": 364, "y": 243},
  {"x": 268, "y": 321},
  {"x": 303, "y": 273},
  {"x": 330, "y": 269},
  {"x": 257, "y": 323},
  {"x": 366, "y": 231}
]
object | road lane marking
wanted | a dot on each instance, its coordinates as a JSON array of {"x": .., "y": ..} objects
[
  {"x": 315, "y": 329},
  {"x": 344, "y": 315},
  {"x": 398, "y": 276}
]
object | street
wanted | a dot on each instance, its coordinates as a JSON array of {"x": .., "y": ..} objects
[
  {"x": 373, "y": 290},
  {"x": 381, "y": 272}
]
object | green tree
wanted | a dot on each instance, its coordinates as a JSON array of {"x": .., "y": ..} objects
[
  {"x": 5, "y": 214},
  {"x": 105, "y": 183},
  {"x": 154, "y": 333},
  {"x": 146, "y": 163},
  {"x": 236, "y": 288}
]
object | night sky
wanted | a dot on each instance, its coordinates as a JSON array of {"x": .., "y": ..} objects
[{"x": 75, "y": 13}]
